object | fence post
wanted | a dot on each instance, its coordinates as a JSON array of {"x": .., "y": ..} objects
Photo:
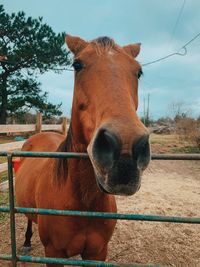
[
  {"x": 12, "y": 210},
  {"x": 64, "y": 126},
  {"x": 38, "y": 126}
]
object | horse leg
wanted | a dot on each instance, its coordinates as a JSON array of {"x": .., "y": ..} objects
[
  {"x": 27, "y": 243},
  {"x": 51, "y": 252},
  {"x": 97, "y": 257}
]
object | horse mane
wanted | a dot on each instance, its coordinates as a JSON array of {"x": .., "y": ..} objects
[{"x": 61, "y": 164}]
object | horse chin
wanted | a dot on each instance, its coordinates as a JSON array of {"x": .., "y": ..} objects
[
  {"x": 102, "y": 188},
  {"x": 122, "y": 190}
]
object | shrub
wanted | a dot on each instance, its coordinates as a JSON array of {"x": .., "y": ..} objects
[{"x": 189, "y": 129}]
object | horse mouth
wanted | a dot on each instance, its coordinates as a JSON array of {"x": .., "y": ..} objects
[
  {"x": 122, "y": 177},
  {"x": 102, "y": 188},
  {"x": 120, "y": 189}
]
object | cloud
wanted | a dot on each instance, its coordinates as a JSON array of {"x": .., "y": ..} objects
[
  {"x": 149, "y": 22},
  {"x": 59, "y": 88}
]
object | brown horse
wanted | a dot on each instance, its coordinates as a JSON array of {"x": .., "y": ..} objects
[{"x": 104, "y": 123}]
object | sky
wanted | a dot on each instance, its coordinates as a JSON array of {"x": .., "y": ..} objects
[{"x": 152, "y": 23}]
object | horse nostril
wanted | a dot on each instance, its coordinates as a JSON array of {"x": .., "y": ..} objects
[
  {"x": 106, "y": 148},
  {"x": 141, "y": 152}
]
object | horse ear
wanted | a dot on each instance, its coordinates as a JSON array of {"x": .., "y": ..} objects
[
  {"x": 132, "y": 49},
  {"x": 75, "y": 44}
]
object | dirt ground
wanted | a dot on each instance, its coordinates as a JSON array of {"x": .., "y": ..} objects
[{"x": 168, "y": 188}]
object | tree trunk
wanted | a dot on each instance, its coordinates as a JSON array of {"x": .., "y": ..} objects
[{"x": 4, "y": 100}]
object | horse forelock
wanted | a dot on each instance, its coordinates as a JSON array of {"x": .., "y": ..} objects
[{"x": 103, "y": 43}]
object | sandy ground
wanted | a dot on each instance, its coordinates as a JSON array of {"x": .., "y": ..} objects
[{"x": 168, "y": 188}]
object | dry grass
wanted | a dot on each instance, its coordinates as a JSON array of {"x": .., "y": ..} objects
[
  {"x": 6, "y": 139},
  {"x": 172, "y": 143},
  {"x": 188, "y": 129},
  {"x": 3, "y": 201},
  {"x": 3, "y": 159},
  {"x": 3, "y": 176}
]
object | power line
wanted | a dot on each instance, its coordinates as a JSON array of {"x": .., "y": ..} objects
[
  {"x": 181, "y": 52},
  {"x": 177, "y": 20},
  {"x": 195, "y": 37}
]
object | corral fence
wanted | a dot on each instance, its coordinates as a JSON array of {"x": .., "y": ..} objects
[
  {"x": 12, "y": 210},
  {"x": 37, "y": 127},
  {"x": 25, "y": 128}
]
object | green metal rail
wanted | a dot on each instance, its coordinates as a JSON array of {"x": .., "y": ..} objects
[
  {"x": 85, "y": 155},
  {"x": 12, "y": 210}
]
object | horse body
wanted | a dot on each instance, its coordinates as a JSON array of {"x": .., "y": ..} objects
[
  {"x": 64, "y": 236},
  {"x": 35, "y": 168},
  {"x": 104, "y": 123}
]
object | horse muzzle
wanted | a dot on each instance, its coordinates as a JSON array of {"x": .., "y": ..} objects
[{"x": 116, "y": 172}]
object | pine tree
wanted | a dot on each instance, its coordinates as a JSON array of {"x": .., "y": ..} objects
[{"x": 28, "y": 47}]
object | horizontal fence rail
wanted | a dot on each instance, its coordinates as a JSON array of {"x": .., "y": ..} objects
[
  {"x": 37, "y": 127},
  {"x": 12, "y": 210},
  {"x": 107, "y": 215},
  {"x": 23, "y": 128},
  {"x": 16, "y": 128},
  {"x": 85, "y": 155},
  {"x": 76, "y": 262}
]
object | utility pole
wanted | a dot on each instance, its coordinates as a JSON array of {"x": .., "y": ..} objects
[
  {"x": 144, "y": 112},
  {"x": 148, "y": 100}
]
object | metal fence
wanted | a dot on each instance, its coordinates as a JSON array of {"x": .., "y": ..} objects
[{"x": 12, "y": 210}]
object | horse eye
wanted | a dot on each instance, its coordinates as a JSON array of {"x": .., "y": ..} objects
[
  {"x": 140, "y": 73},
  {"x": 77, "y": 65}
]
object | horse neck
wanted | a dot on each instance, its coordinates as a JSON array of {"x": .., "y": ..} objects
[{"x": 81, "y": 174}]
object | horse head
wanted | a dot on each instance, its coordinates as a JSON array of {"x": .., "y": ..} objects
[{"x": 104, "y": 115}]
